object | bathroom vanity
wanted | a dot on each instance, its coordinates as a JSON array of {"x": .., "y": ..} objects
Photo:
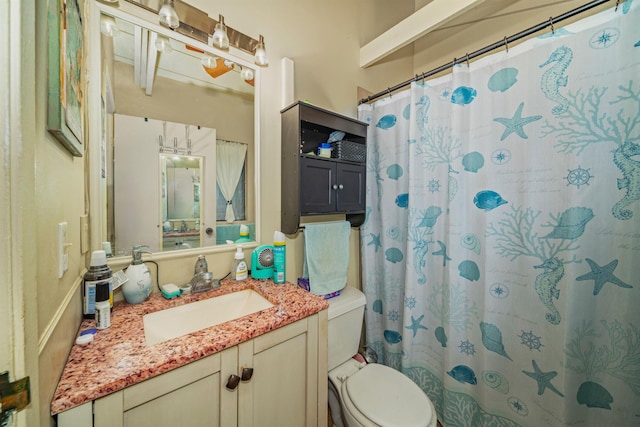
[{"x": 266, "y": 368}]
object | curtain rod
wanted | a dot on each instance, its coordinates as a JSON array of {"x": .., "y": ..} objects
[{"x": 504, "y": 42}]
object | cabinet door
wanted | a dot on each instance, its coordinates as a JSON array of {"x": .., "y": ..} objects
[
  {"x": 196, "y": 403},
  {"x": 317, "y": 178},
  {"x": 188, "y": 394},
  {"x": 283, "y": 390},
  {"x": 350, "y": 195}
]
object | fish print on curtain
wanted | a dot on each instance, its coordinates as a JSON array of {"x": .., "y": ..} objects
[{"x": 501, "y": 249}]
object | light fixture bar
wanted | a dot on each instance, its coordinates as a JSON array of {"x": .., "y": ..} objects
[{"x": 198, "y": 25}]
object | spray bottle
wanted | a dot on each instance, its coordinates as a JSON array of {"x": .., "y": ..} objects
[
  {"x": 279, "y": 257},
  {"x": 97, "y": 284},
  {"x": 244, "y": 234}
]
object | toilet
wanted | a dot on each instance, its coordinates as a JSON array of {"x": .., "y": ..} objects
[{"x": 367, "y": 395}]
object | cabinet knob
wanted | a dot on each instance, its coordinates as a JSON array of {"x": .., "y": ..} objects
[
  {"x": 340, "y": 186},
  {"x": 334, "y": 186},
  {"x": 233, "y": 382},
  {"x": 247, "y": 373}
]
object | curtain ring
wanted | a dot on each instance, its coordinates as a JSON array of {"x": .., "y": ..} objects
[
  {"x": 467, "y": 59},
  {"x": 506, "y": 44},
  {"x": 617, "y": 3},
  {"x": 553, "y": 31}
]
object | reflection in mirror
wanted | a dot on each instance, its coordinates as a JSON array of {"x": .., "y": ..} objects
[
  {"x": 147, "y": 195},
  {"x": 150, "y": 82},
  {"x": 181, "y": 178}
]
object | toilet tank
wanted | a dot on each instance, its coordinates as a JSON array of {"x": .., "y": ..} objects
[{"x": 345, "y": 325}]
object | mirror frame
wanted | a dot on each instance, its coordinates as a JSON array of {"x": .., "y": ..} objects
[{"x": 97, "y": 197}]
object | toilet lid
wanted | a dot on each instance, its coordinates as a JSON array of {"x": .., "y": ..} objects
[{"x": 388, "y": 398}]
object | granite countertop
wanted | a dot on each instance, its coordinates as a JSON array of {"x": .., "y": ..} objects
[{"x": 119, "y": 357}]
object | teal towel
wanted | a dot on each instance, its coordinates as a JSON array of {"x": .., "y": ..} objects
[{"x": 326, "y": 256}]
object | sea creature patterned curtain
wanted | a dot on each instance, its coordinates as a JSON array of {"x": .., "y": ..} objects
[{"x": 501, "y": 250}]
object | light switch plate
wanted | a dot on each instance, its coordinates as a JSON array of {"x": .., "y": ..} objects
[{"x": 63, "y": 252}]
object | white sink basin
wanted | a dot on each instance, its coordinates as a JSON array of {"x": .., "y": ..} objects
[{"x": 174, "y": 322}]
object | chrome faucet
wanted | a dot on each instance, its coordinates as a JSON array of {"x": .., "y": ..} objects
[
  {"x": 183, "y": 226},
  {"x": 203, "y": 282}
]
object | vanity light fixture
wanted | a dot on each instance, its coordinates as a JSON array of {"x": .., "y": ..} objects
[
  {"x": 220, "y": 39},
  {"x": 108, "y": 26},
  {"x": 198, "y": 25},
  {"x": 163, "y": 44},
  {"x": 208, "y": 61},
  {"x": 216, "y": 67},
  {"x": 246, "y": 74},
  {"x": 168, "y": 15},
  {"x": 261, "y": 53}
]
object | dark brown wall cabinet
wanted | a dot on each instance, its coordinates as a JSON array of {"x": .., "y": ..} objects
[{"x": 314, "y": 185}]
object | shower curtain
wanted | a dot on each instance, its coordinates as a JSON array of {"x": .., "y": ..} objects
[{"x": 501, "y": 249}]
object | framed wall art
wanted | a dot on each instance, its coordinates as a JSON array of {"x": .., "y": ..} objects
[{"x": 65, "y": 63}]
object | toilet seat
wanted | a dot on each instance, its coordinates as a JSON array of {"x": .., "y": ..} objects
[{"x": 380, "y": 395}]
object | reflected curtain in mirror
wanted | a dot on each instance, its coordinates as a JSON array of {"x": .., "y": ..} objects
[{"x": 231, "y": 158}]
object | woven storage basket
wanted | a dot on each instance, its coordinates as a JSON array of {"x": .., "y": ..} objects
[{"x": 352, "y": 151}]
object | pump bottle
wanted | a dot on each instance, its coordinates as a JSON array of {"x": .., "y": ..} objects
[
  {"x": 138, "y": 287},
  {"x": 239, "y": 272}
]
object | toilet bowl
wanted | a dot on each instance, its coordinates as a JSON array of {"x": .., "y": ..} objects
[
  {"x": 372, "y": 395},
  {"x": 368, "y": 395}
]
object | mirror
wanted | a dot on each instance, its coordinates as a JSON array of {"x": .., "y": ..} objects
[
  {"x": 158, "y": 86},
  {"x": 180, "y": 184}
]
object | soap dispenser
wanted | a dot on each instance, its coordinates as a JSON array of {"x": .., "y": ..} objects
[
  {"x": 239, "y": 272},
  {"x": 138, "y": 288}
]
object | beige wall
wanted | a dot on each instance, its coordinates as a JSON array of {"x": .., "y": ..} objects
[
  {"x": 59, "y": 188},
  {"x": 230, "y": 114}
]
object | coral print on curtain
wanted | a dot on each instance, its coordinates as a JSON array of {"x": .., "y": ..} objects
[{"x": 501, "y": 250}]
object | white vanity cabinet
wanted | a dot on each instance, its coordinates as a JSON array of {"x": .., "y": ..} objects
[{"x": 288, "y": 387}]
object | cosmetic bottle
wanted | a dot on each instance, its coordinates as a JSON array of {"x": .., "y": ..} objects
[
  {"x": 98, "y": 277},
  {"x": 279, "y": 257}
]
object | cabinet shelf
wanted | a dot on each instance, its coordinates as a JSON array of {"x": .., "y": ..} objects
[{"x": 314, "y": 185}]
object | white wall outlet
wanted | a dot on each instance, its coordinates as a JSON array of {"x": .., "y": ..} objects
[{"x": 63, "y": 249}]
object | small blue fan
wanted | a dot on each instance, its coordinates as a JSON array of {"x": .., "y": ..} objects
[{"x": 262, "y": 262}]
